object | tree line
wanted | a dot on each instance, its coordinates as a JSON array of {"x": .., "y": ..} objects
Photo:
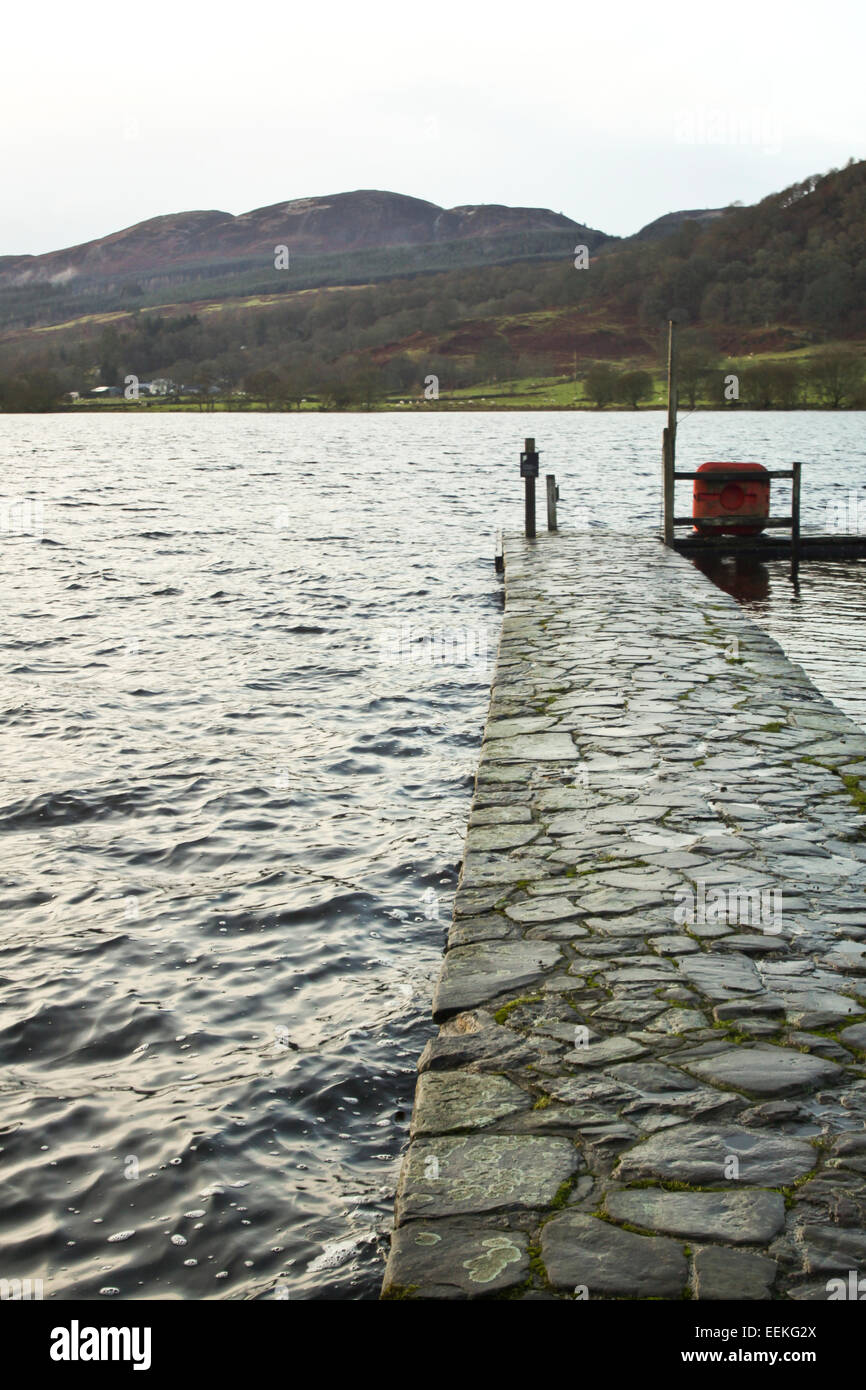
[{"x": 834, "y": 378}]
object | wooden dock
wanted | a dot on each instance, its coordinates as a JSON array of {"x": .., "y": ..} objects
[
  {"x": 841, "y": 547},
  {"x": 795, "y": 547}
]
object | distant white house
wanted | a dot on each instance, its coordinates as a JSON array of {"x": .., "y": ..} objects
[{"x": 160, "y": 387}]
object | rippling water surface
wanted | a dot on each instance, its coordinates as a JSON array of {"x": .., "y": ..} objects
[{"x": 245, "y": 666}]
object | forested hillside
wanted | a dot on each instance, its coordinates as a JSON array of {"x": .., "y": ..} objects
[{"x": 779, "y": 286}]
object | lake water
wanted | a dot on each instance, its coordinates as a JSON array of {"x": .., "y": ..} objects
[{"x": 245, "y": 668}]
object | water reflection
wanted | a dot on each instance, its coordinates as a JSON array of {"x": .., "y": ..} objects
[
  {"x": 812, "y": 610},
  {"x": 744, "y": 577}
]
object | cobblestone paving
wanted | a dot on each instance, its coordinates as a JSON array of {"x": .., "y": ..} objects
[{"x": 650, "y": 1075}]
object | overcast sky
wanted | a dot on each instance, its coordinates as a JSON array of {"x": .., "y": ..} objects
[{"x": 613, "y": 113}]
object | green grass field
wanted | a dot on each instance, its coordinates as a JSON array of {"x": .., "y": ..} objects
[{"x": 526, "y": 393}]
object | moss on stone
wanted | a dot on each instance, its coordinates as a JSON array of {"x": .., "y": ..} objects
[
  {"x": 502, "y": 1014},
  {"x": 855, "y": 790},
  {"x": 790, "y": 1191},
  {"x": 536, "y": 1265},
  {"x": 672, "y": 1185},
  {"x": 563, "y": 1192}
]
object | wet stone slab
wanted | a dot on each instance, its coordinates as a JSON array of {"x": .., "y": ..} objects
[
  {"x": 765, "y": 1071},
  {"x": 533, "y": 748},
  {"x": 475, "y": 974},
  {"x": 496, "y": 1172},
  {"x": 533, "y": 913},
  {"x": 704, "y": 1154},
  {"x": 452, "y": 1100},
  {"x": 733, "y": 1274},
  {"x": 488, "y": 837},
  {"x": 582, "y": 1253},
  {"x": 455, "y": 1259},
  {"x": 649, "y": 1078},
  {"x": 735, "y": 1218}
]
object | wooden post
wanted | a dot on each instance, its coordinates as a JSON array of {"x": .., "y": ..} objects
[
  {"x": 551, "y": 502},
  {"x": 669, "y": 438},
  {"x": 795, "y": 517},
  {"x": 668, "y": 487},
  {"x": 499, "y": 553},
  {"x": 672, "y": 390},
  {"x": 529, "y": 494}
]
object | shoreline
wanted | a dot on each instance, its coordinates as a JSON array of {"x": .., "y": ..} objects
[{"x": 441, "y": 407}]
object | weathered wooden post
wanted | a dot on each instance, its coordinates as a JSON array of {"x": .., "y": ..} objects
[
  {"x": 669, "y": 436},
  {"x": 668, "y": 487},
  {"x": 673, "y": 385},
  {"x": 529, "y": 473},
  {"x": 795, "y": 516},
  {"x": 552, "y": 493}
]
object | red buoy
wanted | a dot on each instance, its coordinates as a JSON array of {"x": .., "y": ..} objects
[{"x": 746, "y": 501}]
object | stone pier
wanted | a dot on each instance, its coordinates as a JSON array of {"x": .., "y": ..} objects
[{"x": 649, "y": 1079}]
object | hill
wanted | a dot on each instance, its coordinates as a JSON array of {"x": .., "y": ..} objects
[
  {"x": 386, "y": 291},
  {"x": 344, "y": 238},
  {"x": 672, "y": 221}
]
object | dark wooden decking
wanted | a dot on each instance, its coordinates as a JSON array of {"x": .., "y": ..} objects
[{"x": 842, "y": 547}]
